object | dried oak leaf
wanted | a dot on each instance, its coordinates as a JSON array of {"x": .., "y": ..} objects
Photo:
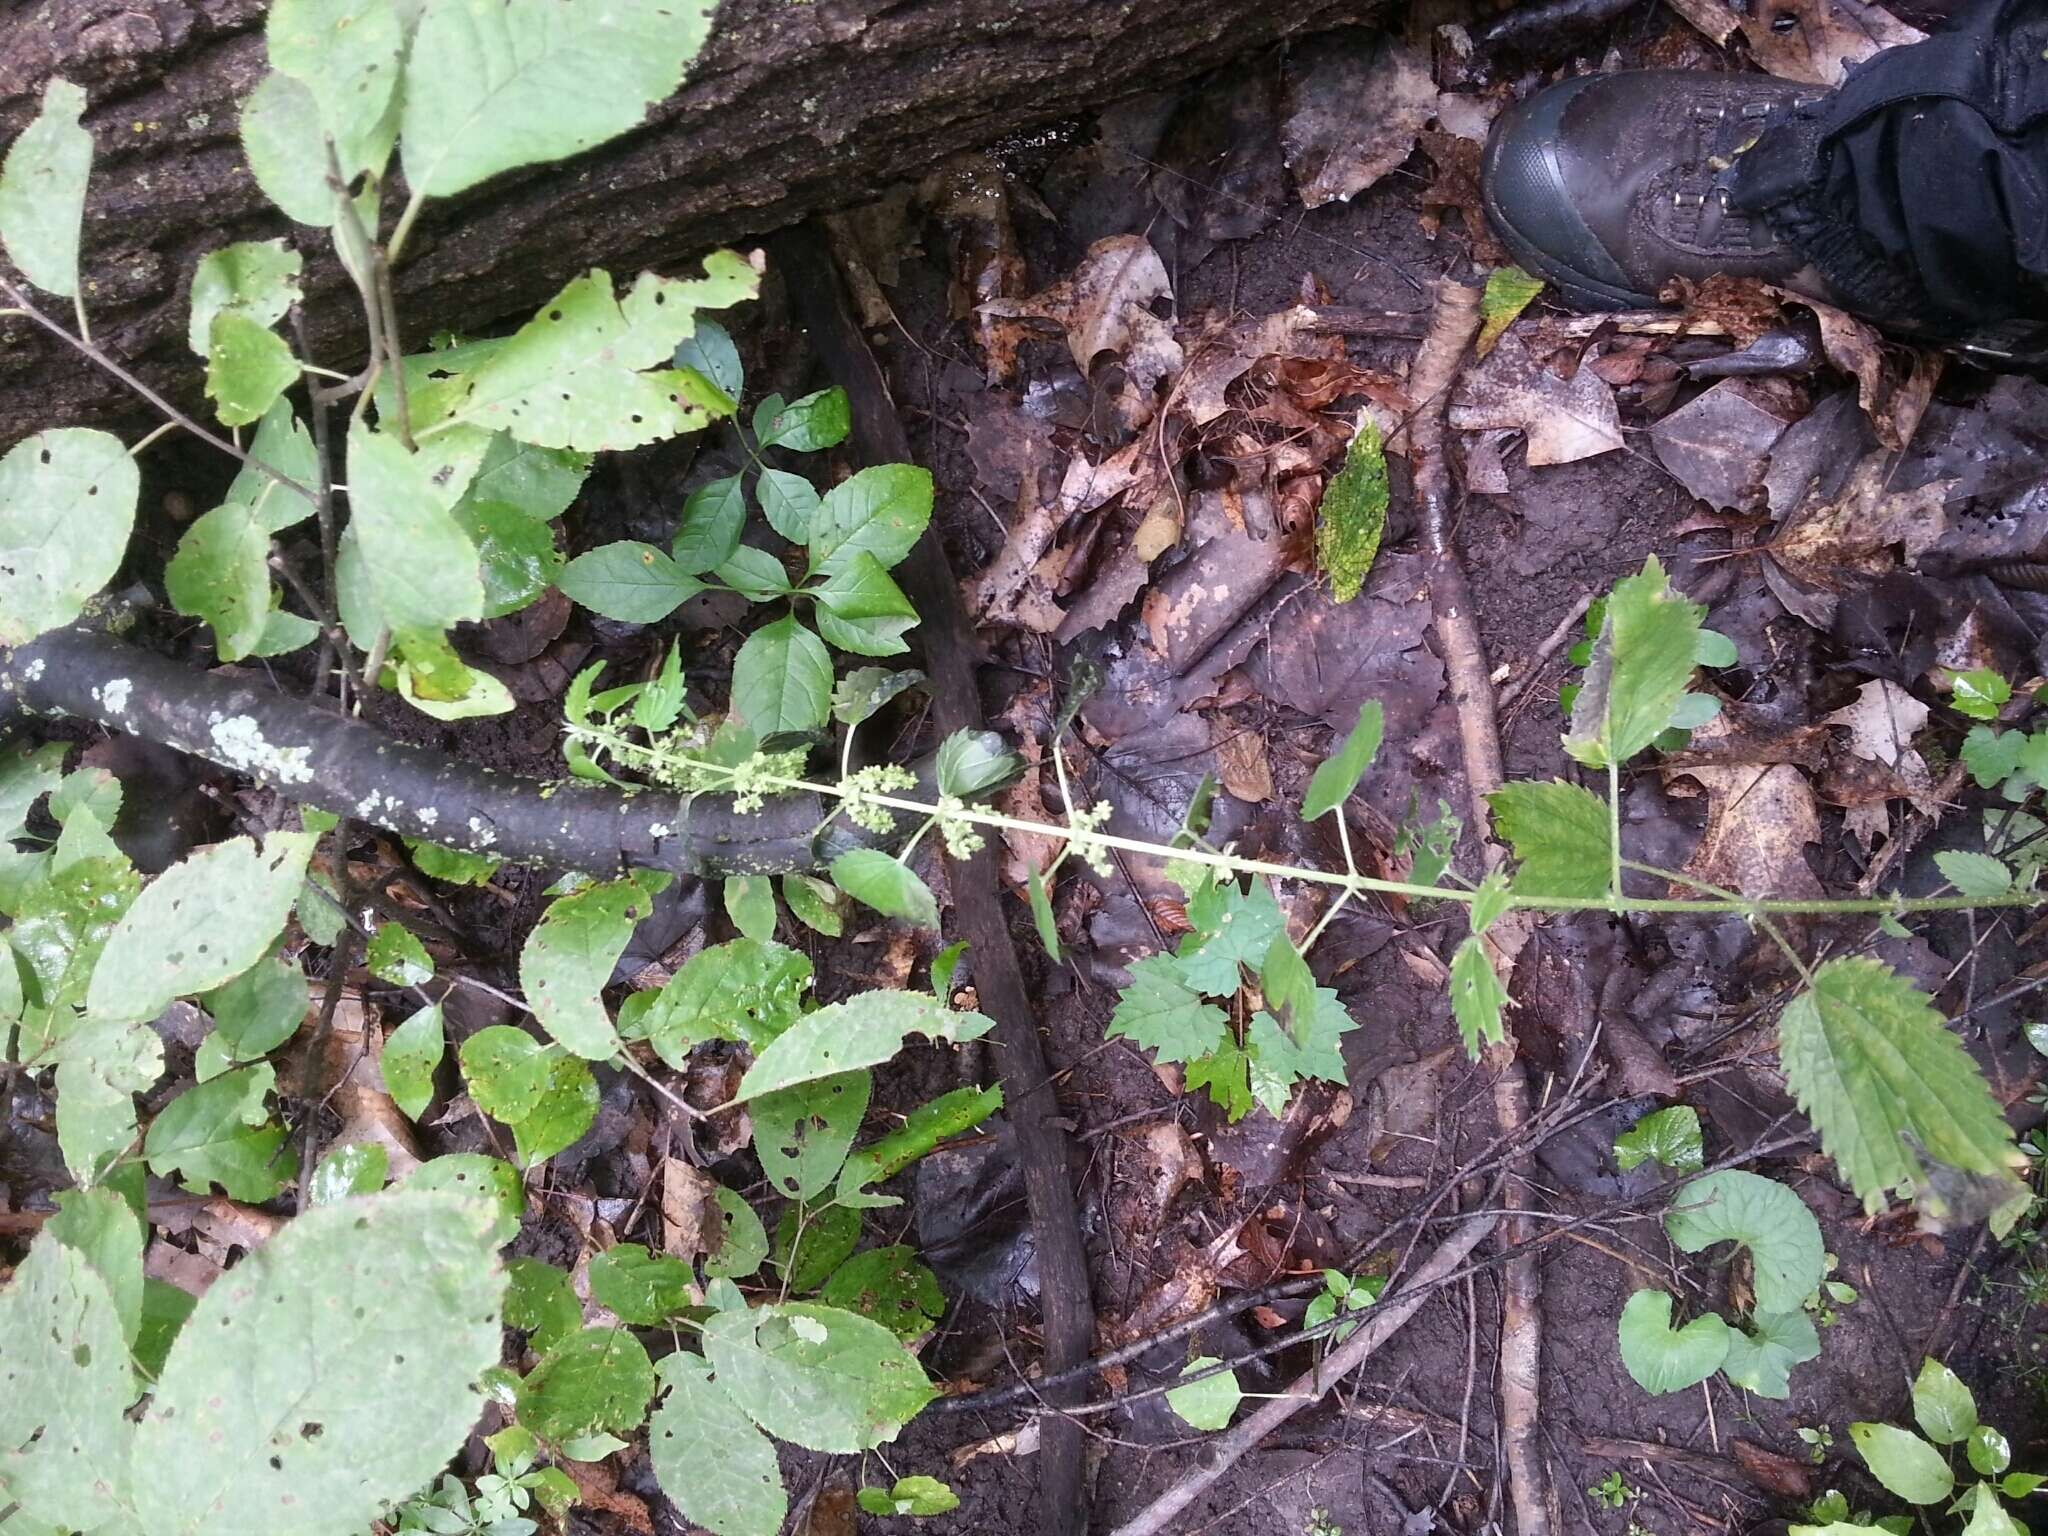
[
  {"x": 1564, "y": 421},
  {"x": 1811, "y": 41},
  {"x": 1106, "y": 307}
]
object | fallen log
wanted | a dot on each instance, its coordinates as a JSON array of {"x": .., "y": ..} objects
[{"x": 792, "y": 108}]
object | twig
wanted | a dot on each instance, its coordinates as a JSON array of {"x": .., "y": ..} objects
[
  {"x": 1386, "y": 1319},
  {"x": 1553, "y": 642},
  {"x": 1437, "y": 363}
]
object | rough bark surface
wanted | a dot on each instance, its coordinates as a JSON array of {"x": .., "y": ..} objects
[{"x": 793, "y": 107}]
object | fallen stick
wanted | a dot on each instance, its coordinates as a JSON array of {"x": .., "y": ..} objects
[
  {"x": 950, "y": 650},
  {"x": 1430, "y": 381},
  {"x": 1386, "y": 1319}
]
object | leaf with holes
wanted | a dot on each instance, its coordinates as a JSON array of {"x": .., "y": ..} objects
[
  {"x": 260, "y": 278},
  {"x": 329, "y": 1374},
  {"x": 569, "y": 957},
  {"x": 1353, "y": 516},
  {"x": 218, "y": 1132},
  {"x": 949, "y": 1115},
  {"x": 1762, "y": 1215},
  {"x": 863, "y": 1031},
  {"x": 815, "y": 1375},
  {"x": 890, "y": 1286},
  {"x": 67, "y": 504},
  {"x": 221, "y": 573},
  {"x": 638, "y": 1286},
  {"x": 248, "y": 366},
  {"x": 716, "y": 1467},
  {"x": 42, "y": 191},
  {"x": 396, "y": 955},
  {"x": 802, "y": 1134},
  {"x": 346, "y": 53},
  {"x": 595, "y": 1379}
]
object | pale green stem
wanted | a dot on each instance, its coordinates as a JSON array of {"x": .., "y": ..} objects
[
  {"x": 135, "y": 452},
  {"x": 1763, "y": 921},
  {"x": 78, "y": 308},
  {"x": 1614, "y": 833},
  {"x": 1350, "y": 869}
]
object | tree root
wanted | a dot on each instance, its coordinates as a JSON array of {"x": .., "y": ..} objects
[{"x": 313, "y": 756}]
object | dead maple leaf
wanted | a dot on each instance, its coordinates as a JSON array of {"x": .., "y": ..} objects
[
  {"x": 1564, "y": 421},
  {"x": 1760, "y": 819}
]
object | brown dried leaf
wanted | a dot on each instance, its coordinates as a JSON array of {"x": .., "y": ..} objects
[
  {"x": 1352, "y": 113},
  {"x": 1759, "y": 822},
  {"x": 1456, "y": 187},
  {"x": 1858, "y": 533},
  {"x": 1105, "y": 307},
  {"x": 691, "y": 1222},
  {"x": 1563, "y": 421}
]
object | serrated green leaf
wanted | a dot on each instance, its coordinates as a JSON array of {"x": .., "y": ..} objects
[
  {"x": 789, "y": 502},
  {"x": 68, "y": 1385},
  {"x": 713, "y": 517},
  {"x": 546, "y": 1096},
  {"x": 816, "y": 1375},
  {"x": 880, "y": 511},
  {"x": 1162, "y": 1012},
  {"x": 1670, "y": 1136},
  {"x": 594, "y": 1379},
  {"x": 863, "y": 1031},
  {"x": 638, "y": 1286},
  {"x": 218, "y": 1132},
  {"x": 745, "y": 990},
  {"x": 101, "y": 1066},
  {"x": 67, "y": 505},
  {"x": 1763, "y": 1216},
  {"x": 412, "y": 1053},
  {"x": 260, "y": 278},
  {"x": 1509, "y": 291},
  {"x": 629, "y": 581},
  {"x": 202, "y": 922},
  {"x": 802, "y": 1134},
  {"x": 523, "y": 83},
  {"x": 1561, "y": 834},
  {"x": 585, "y": 372},
  {"x": 1233, "y": 926},
  {"x": 1477, "y": 996},
  {"x": 539, "y": 483},
  {"x": 1760, "y": 1358},
  {"x": 782, "y": 679},
  {"x": 1226, "y": 1074},
  {"x": 816, "y": 421},
  {"x": 42, "y": 191},
  {"x": 1993, "y": 756},
  {"x": 862, "y": 610},
  {"x": 1977, "y": 875},
  {"x": 1353, "y": 516},
  {"x": 971, "y": 763},
  {"x": 568, "y": 960},
  {"x": 750, "y": 903},
  {"x": 874, "y": 879},
  {"x": 1642, "y": 662},
  {"x": 1988, "y": 1517},
  {"x": 1903, "y": 1462},
  {"x": 255, "y": 1013},
  {"x": 716, "y": 1467},
  {"x": 755, "y": 574},
  {"x": 1942, "y": 1406},
  {"x": 1663, "y": 1359},
  {"x": 221, "y": 573},
  {"x": 396, "y": 955},
  {"x": 915, "y": 1496},
  {"x": 889, "y": 1286},
  {"x": 248, "y": 366},
  {"x": 1207, "y": 1404},
  {"x": 1338, "y": 775},
  {"x": 1870, "y": 1060}
]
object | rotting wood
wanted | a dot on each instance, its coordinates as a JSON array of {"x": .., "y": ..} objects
[{"x": 950, "y": 651}]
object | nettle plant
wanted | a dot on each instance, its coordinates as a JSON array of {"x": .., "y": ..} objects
[{"x": 325, "y": 1382}]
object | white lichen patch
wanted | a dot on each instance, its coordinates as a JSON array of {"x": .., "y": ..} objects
[
  {"x": 659, "y": 829},
  {"x": 115, "y": 695},
  {"x": 34, "y": 670},
  {"x": 480, "y": 835},
  {"x": 428, "y": 815},
  {"x": 240, "y": 743}
]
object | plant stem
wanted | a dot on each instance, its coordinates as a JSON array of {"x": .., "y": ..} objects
[{"x": 1614, "y": 833}]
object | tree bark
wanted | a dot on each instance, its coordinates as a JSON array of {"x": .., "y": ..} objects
[{"x": 793, "y": 108}]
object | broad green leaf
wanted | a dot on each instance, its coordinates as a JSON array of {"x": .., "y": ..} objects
[
  {"x": 1338, "y": 775},
  {"x": 1942, "y": 1406},
  {"x": 874, "y": 879},
  {"x": 221, "y": 573},
  {"x": 865, "y": 690},
  {"x": 547, "y": 1096},
  {"x": 1979, "y": 693},
  {"x": 789, "y": 502},
  {"x": 917, "y": 1495},
  {"x": 101, "y": 1066},
  {"x": 100, "y": 1227},
  {"x": 584, "y": 374},
  {"x": 2017, "y": 1485},
  {"x": 1477, "y": 996},
  {"x": 455, "y": 865},
  {"x": 971, "y": 763},
  {"x": 632, "y": 582},
  {"x": 750, "y": 903},
  {"x": 1161, "y": 1012},
  {"x": 595, "y": 1379},
  {"x": 711, "y": 352},
  {"x": 949, "y": 1115},
  {"x": 475, "y": 1177},
  {"x": 258, "y": 277},
  {"x": 1671, "y": 1136},
  {"x": 525, "y": 83},
  {"x": 861, "y": 609},
  {"x": 67, "y": 504},
  {"x": 945, "y": 965},
  {"x": 1993, "y": 756},
  {"x": 419, "y": 566},
  {"x": 745, "y": 990},
  {"x": 203, "y": 921},
  {"x": 1225, "y": 1074},
  {"x": 755, "y": 574},
  {"x": 802, "y": 1134},
  {"x": 1760, "y": 1359},
  {"x": 539, "y": 483},
  {"x": 1509, "y": 291},
  {"x": 782, "y": 679},
  {"x": 480, "y": 695},
  {"x": 817, "y": 1376},
  {"x": 517, "y": 555},
  {"x": 1666, "y": 1359},
  {"x": 742, "y": 1245},
  {"x": 816, "y": 421},
  {"x": 815, "y": 903},
  {"x": 248, "y": 366},
  {"x": 357, "y": 1168},
  {"x": 863, "y": 1031},
  {"x": 1991, "y": 1518},
  {"x": 1353, "y": 516},
  {"x": 638, "y": 1286},
  {"x": 282, "y": 138},
  {"x": 1989, "y": 1451},
  {"x": 1042, "y": 917},
  {"x": 540, "y": 1301},
  {"x": 811, "y": 1242},
  {"x": 64, "y": 1368},
  {"x": 1233, "y": 927},
  {"x": 396, "y": 955},
  {"x": 1903, "y": 1462},
  {"x": 569, "y": 958},
  {"x": 881, "y": 511},
  {"x": 329, "y": 1374},
  {"x": 714, "y": 1465},
  {"x": 1762, "y": 1215},
  {"x": 63, "y": 917},
  {"x": 1208, "y": 1403},
  {"x": 891, "y": 1287},
  {"x": 1870, "y": 1061},
  {"x": 1641, "y": 663},
  {"x": 1976, "y": 875},
  {"x": 42, "y": 191},
  {"x": 1562, "y": 837},
  {"x": 346, "y": 53},
  {"x": 165, "y": 1309},
  {"x": 218, "y": 1132},
  {"x": 258, "y": 1011},
  {"x": 713, "y": 517}
]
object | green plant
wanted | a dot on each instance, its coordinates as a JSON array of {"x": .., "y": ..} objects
[
  {"x": 497, "y": 1505},
  {"x": 1342, "y": 1293},
  {"x": 1613, "y": 1491},
  {"x": 1818, "y": 1440},
  {"x": 1921, "y": 1468}
]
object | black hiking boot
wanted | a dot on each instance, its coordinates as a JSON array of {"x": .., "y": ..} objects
[{"x": 1610, "y": 186}]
